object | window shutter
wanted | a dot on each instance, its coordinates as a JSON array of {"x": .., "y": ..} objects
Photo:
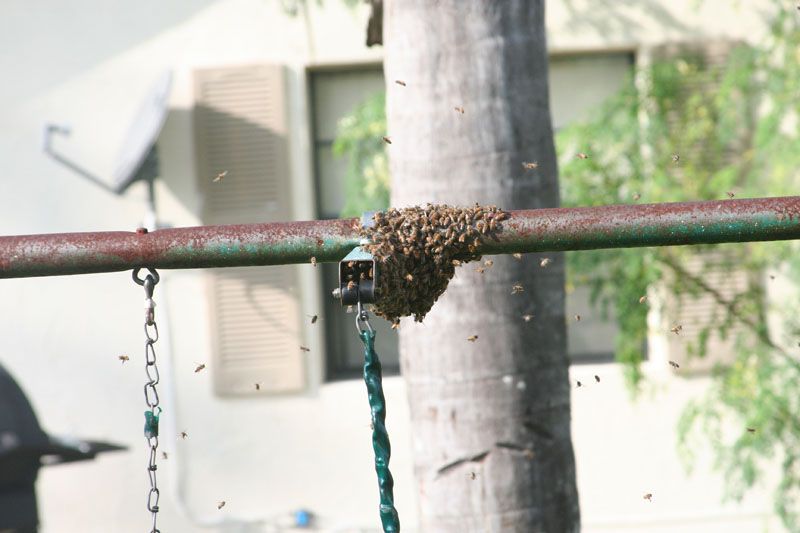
[{"x": 240, "y": 130}]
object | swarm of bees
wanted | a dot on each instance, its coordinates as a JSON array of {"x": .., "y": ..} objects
[{"x": 426, "y": 243}]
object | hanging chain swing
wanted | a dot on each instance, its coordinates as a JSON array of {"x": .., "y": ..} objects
[{"x": 153, "y": 413}]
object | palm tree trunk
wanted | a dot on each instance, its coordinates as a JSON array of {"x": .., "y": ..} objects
[{"x": 490, "y": 418}]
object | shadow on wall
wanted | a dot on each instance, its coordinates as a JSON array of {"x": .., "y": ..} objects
[{"x": 616, "y": 17}]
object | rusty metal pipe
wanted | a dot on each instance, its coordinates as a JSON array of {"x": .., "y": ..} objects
[{"x": 540, "y": 230}]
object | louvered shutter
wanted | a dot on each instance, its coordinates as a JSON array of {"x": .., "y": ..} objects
[
  {"x": 240, "y": 127},
  {"x": 694, "y": 313}
]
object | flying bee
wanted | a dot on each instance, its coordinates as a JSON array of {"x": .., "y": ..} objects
[
  {"x": 164, "y": 455},
  {"x": 200, "y": 367},
  {"x": 472, "y": 475},
  {"x": 220, "y": 176},
  {"x": 530, "y": 165},
  {"x": 184, "y": 435},
  {"x": 305, "y": 348},
  {"x": 386, "y": 139},
  {"x": 581, "y": 155},
  {"x": 577, "y": 318},
  {"x": 472, "y": 338},
  {"x": 676, "y": 329},
  {"x": 400, "y": 82},
  {"x": 517, "y": 256},
  {"x": 258, "y": 386},
  {"x": 676, "y": 158},
  {"x": 351, "y": 285},
  {"x": 636, "y": 196},
  {"x": 459, "y": 109},
  {"x": 313, "y": 261},
  {"x": 517, "y": 288},
  {"x": 643, "y": 299},
  {"x": 313, "y": 318},
  {"x": 488, "y": 263},
  {"x": 396, "y": 324},
  {"x": 673, "y": 364},
  {"x": 648, "y": 497},
  {"x": 544, "y": 262},
  {"x": 480, "y": 270},
  {"x": 730, "y": 194},
  {"x": 751, "y": 430},
  {"x": 527, "y": 318},
  {"x": 409, "y": 277},
  {"x": 597, "y": 378},
  {"x": 221, "y": 504},
  {"x": 123, "y": 358},
  {"x": 578, "y": 383}
]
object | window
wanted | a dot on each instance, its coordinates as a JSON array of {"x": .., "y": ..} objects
[{"x": 577, "y": 83}]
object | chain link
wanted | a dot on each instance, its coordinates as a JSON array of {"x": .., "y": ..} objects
[{"x": 151, "y": 416}]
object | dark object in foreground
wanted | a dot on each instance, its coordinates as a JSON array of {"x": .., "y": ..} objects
[{"x": 24, "y": 448}]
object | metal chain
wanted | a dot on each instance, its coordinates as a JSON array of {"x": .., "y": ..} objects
[
  {"x": 150, "y": 393},
  {"x": 380, "y": 437}
]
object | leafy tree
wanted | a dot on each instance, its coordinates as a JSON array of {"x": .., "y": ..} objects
[{"x": 687, "y": 130}]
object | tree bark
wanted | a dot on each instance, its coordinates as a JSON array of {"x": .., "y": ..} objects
[{"x": 490, "y": 418}]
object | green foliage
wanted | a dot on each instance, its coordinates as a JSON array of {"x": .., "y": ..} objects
[
  {"x": 359, "y": 139},
  {"x": 734, "y": 128}
]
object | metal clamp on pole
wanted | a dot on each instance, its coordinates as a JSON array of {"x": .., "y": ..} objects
[{"x": 358, "y": 274}]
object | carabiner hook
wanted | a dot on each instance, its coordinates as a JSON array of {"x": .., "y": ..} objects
[{"x": 362, "y": 318}]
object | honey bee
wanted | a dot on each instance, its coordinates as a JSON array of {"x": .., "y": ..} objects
[
  {"x": 459, "y": 109},
  {"x": 579, "y": 383},
  {"x": 409, "y": 277},
  {"x": 517, "y": 288},
  {"x": 676, "y": 329},
  {"x": 258, "y": 386},
  {"x": 400, "y": 82},
  {"x": 530, "y": 165},
  {"x": 643, "y": 299},
  {"x": 220, "y": 176},
  {"x": 581, "y": 155},
  {"x": 123, "y": 358},
  {"x": 527, "y": 318},
  {"x": 480, "y": 270},
  {"x": 184, "y": 435},
  {"x": 673, "y": 364},
  {"x": 488, "y": 263},
  {"x": 597, "y": 378},
  {"x": 221, "y": 504},
  {"x": 472, "y": 338},
  {"x": 199, "y": 367},
  {"x": 313, "y": 261},
  {"x": 517, "y": 256},
  {"x": 648, "y": 497},
  {"x": 730, "y": 194},
  {"x": 396, "y": 324},
  {"x": 751, "y": 430},
  {"x": 676, "y": 158},
  {"x": 164, "y": 455},
  {"x": 544, "y": 262},
  {"x": 577, "y": 318},
  {"x": 636, "y": 196},
  {"x": 305, "y": 348},
  {"x": 386, "y": 139},
  {"x": 314, "y": 318},
  {"x": 772, "y": 276},
  {"x": 472, "y": 475}
]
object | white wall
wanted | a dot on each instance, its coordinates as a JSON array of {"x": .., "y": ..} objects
[{"x": 88, "y": 63}]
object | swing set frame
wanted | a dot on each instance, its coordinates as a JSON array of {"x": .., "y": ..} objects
[{"x": 327, "y": 241}]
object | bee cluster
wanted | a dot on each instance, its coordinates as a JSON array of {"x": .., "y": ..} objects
[{"x": 419, "y": 248}]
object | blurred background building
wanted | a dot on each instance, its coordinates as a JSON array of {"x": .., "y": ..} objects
[{"x": 258, "y": 87}]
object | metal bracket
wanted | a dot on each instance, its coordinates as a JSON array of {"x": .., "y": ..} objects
[{"x": 358, "y": 273}]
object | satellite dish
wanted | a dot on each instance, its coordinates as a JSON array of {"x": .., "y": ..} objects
[
  {"x": 137, "y": 160},
  {"x": 141, "y": 138}
]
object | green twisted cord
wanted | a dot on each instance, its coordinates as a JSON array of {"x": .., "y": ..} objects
[{"x": 380, "y": 438}]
